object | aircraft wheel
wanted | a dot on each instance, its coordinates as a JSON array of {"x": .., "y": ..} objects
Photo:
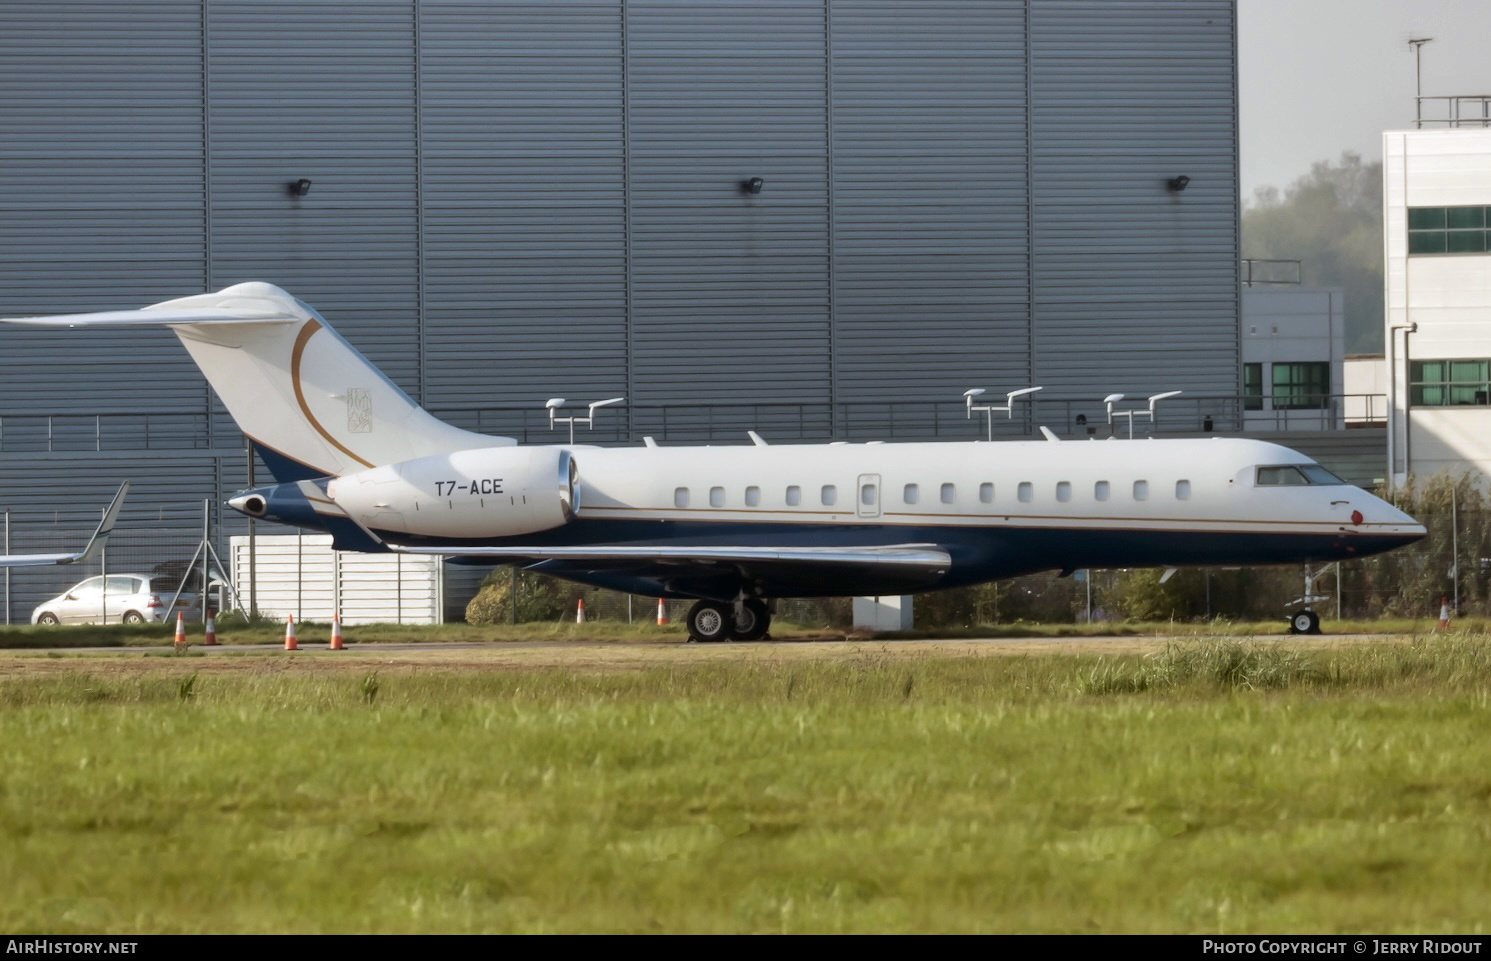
[
  {"x": 47, "y": 617},
  {"x": 1305, "y": 622},
  {"x": 753, "y": 621},
  {"x": 710, "y": 621}
]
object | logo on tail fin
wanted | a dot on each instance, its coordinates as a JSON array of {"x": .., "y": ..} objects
[{"x": 359, "y": 410}]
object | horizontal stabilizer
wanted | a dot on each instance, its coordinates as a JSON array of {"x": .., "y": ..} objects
[
  {"x": 925, "y": 556},
  {"x": 95, "y": 543},
  {"x": 165, "y": 316}
]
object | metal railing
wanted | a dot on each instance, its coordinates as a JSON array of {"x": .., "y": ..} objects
[
  {"x": 1460, "y": 111},
  {"x": 1256, "y": 271},
  {"x": 785, "y": 421}
]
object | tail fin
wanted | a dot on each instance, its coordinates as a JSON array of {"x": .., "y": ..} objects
[{"x": 305, "y": 397}]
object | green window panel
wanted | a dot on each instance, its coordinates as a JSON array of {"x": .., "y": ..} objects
[{"x": 1449, "y": 230}]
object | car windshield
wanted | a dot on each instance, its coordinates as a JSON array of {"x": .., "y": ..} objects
[{"x": 1297, "y": 475}]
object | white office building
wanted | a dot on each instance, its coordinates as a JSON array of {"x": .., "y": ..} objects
[{"x": 1437, "y": 239}]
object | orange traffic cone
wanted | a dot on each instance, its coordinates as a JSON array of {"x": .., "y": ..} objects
[
  {"x": 580, "y": 612},
  {"x": 180, "y": 631},
  {"x": 1444, "y": 614},
  {"x": 290, "y": 644},
  {"x": 209, "y": 631},
  {"x": 336, "y": 633},
  {"x": 662, "y": 612}
]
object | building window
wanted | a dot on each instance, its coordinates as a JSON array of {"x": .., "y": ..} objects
[
  {"x": 1182, "y": 490},
  {"x": 1063, "y": 491},
  {"x": 1450, "y": 383},
  {"x": 1449, "y": 230},
  {"x": 680, "y": 497},
  {"x": 1141, "y": 490},
  {"x": 829, "y": 495},
  {"x": 949, "y": 493},
  {"x": 1252, "y": 386},
  {"x": 716, "y": 497},
  {"x": 986, "y": 493},
  {"x": 1100, "y": 491},
  {"x": 794, "y": 496},
  {"x": 1026, "y": 492},
  {"x": 912, "y": 494},
  {"x": 753, "y": 497},
  {"x": 1305, "y": 386}
]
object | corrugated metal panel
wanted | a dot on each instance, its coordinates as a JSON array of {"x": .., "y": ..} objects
[
  {"x": 303, "y": 576},
  {"x": 930, "y": 222},
  {"x": 321, "y": 90},
  {"x": 1126, "y": 94},
  {"x": 730, "y": 291},
  {"x": 54, "y": 503},
  {"x": 101, "y": 199},
  {"x": 524, "y": 201}
]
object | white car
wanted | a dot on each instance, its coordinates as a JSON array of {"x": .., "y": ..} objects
[{"x": 112, "y": 599}]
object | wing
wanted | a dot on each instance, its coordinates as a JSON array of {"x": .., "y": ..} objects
[
  {"x": 95, "y": 543},
  {"x": 715, "y": 571}
]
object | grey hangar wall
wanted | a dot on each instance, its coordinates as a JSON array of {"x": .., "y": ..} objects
[{"x": 512, "y": 201}]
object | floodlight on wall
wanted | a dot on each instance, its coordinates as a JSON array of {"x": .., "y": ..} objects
[
  {"x": 752, "y": 186},
  {"x": 1177, "y": 184},
  {"x": 299, "y": 188}
]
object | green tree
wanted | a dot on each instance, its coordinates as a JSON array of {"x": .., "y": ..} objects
[{"x": 1331, "y": 221}]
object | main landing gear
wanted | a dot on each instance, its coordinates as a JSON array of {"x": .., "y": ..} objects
[{"x": 745, "y": 620}]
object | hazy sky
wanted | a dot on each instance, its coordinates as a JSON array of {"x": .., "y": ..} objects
[{"x": 1317, "y": 77}]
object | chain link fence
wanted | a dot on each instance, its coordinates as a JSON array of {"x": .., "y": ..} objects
[{"x": 1452, "y": 564}]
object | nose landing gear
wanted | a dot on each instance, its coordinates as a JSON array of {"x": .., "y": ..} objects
[{"x": 1304, "y": 620}]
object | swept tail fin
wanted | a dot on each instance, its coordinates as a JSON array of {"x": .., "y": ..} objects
[{"x": 308, "y": 400}]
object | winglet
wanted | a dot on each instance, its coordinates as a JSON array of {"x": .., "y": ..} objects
[
  {"x": 756, "y": 438},
  {"x": 1046, "y": 431},
  {"x": 95, "y": 543}
]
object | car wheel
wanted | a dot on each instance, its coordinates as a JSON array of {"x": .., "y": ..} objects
[
  {"x": 47, "y": 617},
  {"x": 133, "y": 617}
]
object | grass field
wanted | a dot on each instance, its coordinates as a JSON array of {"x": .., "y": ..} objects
[
  {"x": 233, "y": 630},
  {"x": 1209, "y": 785}
]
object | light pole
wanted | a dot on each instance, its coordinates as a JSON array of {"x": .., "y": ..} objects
[{"x": 1417, "y": 43}]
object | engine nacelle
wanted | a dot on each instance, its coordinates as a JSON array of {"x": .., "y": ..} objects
[{"x": 489, "y": 492}]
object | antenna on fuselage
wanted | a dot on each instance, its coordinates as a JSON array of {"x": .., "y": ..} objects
[
  {"x": 1154, "y": 399},
  {"x": 554, "y": 403},
  {"x": 989, "y": 409}
]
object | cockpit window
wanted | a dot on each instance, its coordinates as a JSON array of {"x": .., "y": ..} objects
[
  {"x": 1319, "y": 475},
  {"x": 1296, "y": 475}
]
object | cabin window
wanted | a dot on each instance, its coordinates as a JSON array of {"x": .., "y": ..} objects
[
  {"x": 1100, "y": 491},
  {"x": 753, "y": 497},
  {"x": 912, "y": 494},
  {"x": 680, "y": 497},
  {"x": 986, "y": 493},
  {"x": 949, "y": 493},
  {"x": 716, "y": 497},
  {"x": 1026, "y": 492},
  {"x": 1182, "y": 490},
  {"x": 1141, "y": 490},
  {"x": 794, "y": 496},
  {"x": 830, "y": 495},
  {"x": 867, "y": 494},
  {"x": 1063, "y": 491}
]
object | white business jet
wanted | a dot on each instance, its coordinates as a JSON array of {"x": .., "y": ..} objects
[
  {"x": 735, "y": 527},
  {"x": 95, "y": 543}
]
